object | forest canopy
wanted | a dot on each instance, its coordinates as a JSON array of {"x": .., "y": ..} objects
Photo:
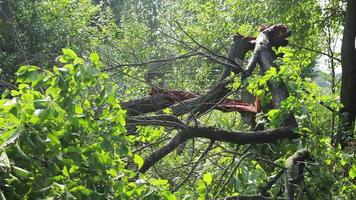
[{"x": 150, "y": 99}]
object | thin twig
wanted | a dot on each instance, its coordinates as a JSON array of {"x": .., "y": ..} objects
[
  {"x": 187, "y": 55},
  {"x": 200, "y": 159},
  {"x": 316, "y": 51},
  {"x": 233, "y": 170}
]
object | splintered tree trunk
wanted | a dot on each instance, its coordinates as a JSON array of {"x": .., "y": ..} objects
[
  {"x": 295, "y": 171},
  {"x": 265, "y": 56},
  {"x": 348, "y": 85}
]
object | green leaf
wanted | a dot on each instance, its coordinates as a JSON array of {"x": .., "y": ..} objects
[
  {"x": 201, "y": 188},
  {"x": 21, "y": 153},
  {"x": 78, "y": 109},
  {"x": 207, "y": 178},
  {"x": 68, "y": 56},
  {"x": 69, "y": 52},
  {"x": 14, "y": 93},
  {"x": 73, "y": 168},
  {"x": 158, "y": 182},
  {"x": 22, "y": 173},
  {"x": 167, "y": 111},
  {"x": 9, "y": 137},
  {"x": 343, "y": 162},
  {"x": 53, "y": 139},
  {"x": 352, "y": 172},
  {"x": 94, "y": 57},
  {"x": 112, "y": 172},
  {"x": 138, "y": 160},
  {"x": 168, "y": 195},
  {"x": 65, "y": 171},
  {"x": 82, "y": 190}
]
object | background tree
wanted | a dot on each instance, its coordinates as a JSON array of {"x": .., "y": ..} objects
[{"x": 348, "y": 61}]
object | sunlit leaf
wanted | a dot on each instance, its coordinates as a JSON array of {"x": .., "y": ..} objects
[
  {"x": 207, "y": 178},
  {"x": 138, "y": 160}
]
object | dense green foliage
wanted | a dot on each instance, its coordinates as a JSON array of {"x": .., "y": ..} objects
[
  {"x": 67, "y": 140},
  {"x": 63, "y": 132}
]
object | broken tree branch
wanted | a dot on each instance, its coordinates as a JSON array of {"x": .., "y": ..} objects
[
  {"x": 159, "y": 120},
  {"x": 251, "y": 137},
  {"x": 147, "y": 104},
  {"x": 251, "y": 197},
  {"x": 162, "y": 152},
  {"x": 272, "y": 180},
  {"x": 295, "y": 171}
]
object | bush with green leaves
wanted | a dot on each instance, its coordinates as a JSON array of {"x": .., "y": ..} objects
[{"x": 62, "y": 135}]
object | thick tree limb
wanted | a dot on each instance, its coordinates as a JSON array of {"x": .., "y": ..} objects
[
  {"x": 272, "y": 180},
  {"x": 251, "y": 197},
  {"x": 162, "y": 152},
  {"x": 295, "y": 171},
  {"x": 348, "y": 59},
  {"x": 147, "y": 104},
  {"x": 238, "y": 49},
  {"x": 251, "y": 137},
  {"x": 240, "y": 46},
  {"x": 264, "y": 55},
  {"x": 204, "y": 102},
  {"x": 159, "y": 120}
]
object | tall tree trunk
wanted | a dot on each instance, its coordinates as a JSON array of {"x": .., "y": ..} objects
[{"x": 348, "y": 85}]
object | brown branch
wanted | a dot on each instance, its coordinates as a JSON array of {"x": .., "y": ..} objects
[
  {"x": 162, "y": 152},
  {"x": 295, "y": 171},
  {"x": 251, "y": 197},
  {"x": 270, "y": 183},
  {"x": 147, "y": 104},
  {"x": 160, "y": 120},
  {"x": 149, "y": 145},
  {"x": 264, "y": 55},
  {"x": 240, "y": 137},
  {"x": 251, "y": 137},
  {"x": 204, "y": 102}
]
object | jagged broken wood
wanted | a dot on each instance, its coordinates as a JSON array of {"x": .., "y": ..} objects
[{"x": 295, "y": 171}]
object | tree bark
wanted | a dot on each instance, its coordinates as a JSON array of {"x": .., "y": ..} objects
[
  {"x": 251, "y": 137},
  {"x": 295, "y": 171},
  {"x": 147, "y": 104},
  {"x": 348, "y": 84},
  {"x": 264, "y": 55}
]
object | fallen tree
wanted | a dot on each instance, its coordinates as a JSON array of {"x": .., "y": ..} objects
[{"x": 195, "y": 105}]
